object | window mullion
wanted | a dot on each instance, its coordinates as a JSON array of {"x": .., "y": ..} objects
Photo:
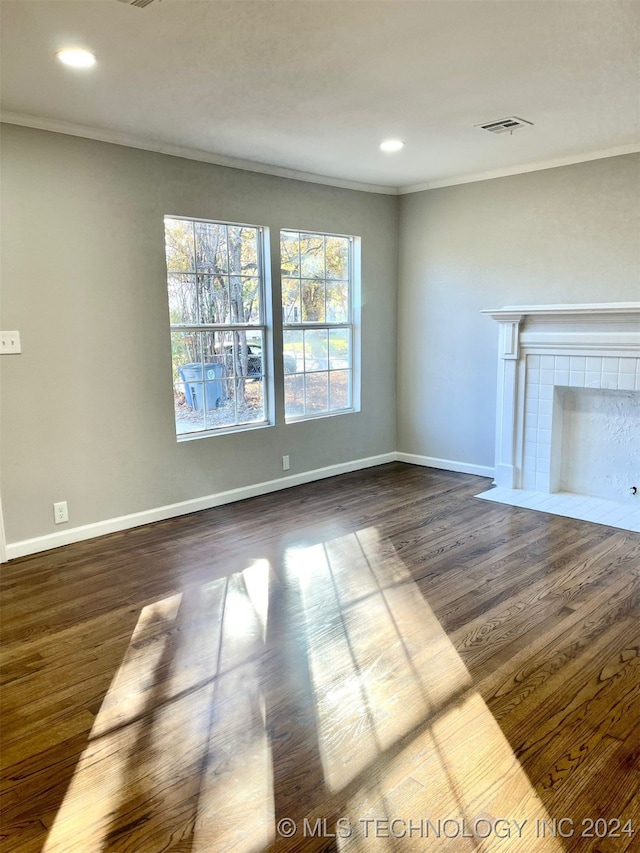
[
  {"x": 217, "y": 327},
  {"x": 300, "y": 278},
  {"x": 324, "y": 259},
  {"x": 195, "y": 271}
]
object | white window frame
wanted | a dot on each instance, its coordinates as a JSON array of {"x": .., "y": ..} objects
[
  {"x": 352, "y": 324},
  {"x": 264, "y": 327}
]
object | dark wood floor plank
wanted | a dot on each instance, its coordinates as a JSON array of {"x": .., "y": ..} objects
[
  {"x": 553, "y": 580},
  {"x": 375, "y": 646},
  {"x": 506, "y": 686},
  {"x": 591, "y": 798},
  {"x": 531, "y": 726}
]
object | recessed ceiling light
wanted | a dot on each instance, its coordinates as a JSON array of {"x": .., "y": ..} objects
[
  {"x": 76, "y": 57},
  {"x": 391, "y": 145}
]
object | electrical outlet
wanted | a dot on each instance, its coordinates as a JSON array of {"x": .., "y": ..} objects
[
  {"x": 60, "y": 512},
  {"x": 10, "y": 343},
  {"x": 285, "y": 463}
]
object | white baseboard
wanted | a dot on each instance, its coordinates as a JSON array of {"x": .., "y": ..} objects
[
  {"x": 136, "y": 519},
  {"x": 124, "y": 522},
  {"x": 445, "y": 464}
]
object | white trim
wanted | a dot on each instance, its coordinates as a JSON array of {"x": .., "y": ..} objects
[
  {"x": 116, "y": 138},
  {"x": 125, "y": 522},
  {"x": 512, "y": 312},
  {"x": 554, "y": 163},
  {"x": 3, "y": 540},
  {"x": 136, "y": 519},
  {"x": 445, "y": 464}
]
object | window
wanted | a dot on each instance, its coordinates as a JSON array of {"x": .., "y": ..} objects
[
  {"x": 215, "y": 283},
  {"x": 318, "y": 323}
]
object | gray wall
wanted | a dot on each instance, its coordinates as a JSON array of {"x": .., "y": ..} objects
[
  {"x": 569, "y": 234},
  {"x": 87, "y": 411}
]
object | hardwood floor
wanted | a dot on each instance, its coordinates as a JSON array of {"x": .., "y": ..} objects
[{"x": 374, "y": 662}]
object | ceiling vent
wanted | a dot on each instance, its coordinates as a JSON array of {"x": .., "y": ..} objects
[
  {"x": 505, "y": 125},
  {"x": 139, "y": 3}
]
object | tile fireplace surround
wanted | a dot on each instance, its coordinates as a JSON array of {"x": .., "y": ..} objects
[{"x": 543, "y": 351}]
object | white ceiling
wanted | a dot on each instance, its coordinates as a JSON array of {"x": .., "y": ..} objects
[{"x": 315, "y": 86}]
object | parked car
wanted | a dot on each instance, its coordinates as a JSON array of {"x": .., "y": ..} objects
[{"x": 254, "y": 360}]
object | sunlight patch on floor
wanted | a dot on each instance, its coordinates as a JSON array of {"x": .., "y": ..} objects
[
  {"x": 181, "y": 752},
  {"x": 159, "y": 760}
]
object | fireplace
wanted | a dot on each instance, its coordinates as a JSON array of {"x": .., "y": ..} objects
[{"x": 568, "y": 411}]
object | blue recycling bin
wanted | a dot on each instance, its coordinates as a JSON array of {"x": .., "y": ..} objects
[{"x": 195, "y": 384}]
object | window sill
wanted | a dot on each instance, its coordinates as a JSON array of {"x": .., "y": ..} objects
[
  {"x": 194, "y": 436},
  {"x": 296, "y": 419}
]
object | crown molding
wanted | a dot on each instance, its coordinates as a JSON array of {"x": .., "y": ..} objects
[
  {"x": 554, "y": 163},
  {"x": 130, "y": 141}
]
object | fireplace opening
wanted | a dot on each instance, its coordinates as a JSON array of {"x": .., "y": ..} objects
[{"x": 595, "y": 445}]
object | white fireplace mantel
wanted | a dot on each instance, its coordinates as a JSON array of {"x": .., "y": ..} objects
[
  {"x": 586, "y": 309},
  {"x": 583, "y": 346},
  {"x": 591, "y": 327}
]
